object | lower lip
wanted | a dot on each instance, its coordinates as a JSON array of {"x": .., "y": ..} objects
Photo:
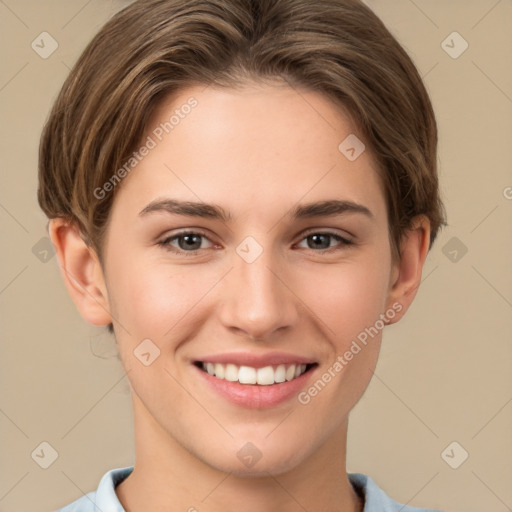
[{"x": 253, "y": 396}]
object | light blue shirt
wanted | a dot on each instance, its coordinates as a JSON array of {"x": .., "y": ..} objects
[{"x": 104, "y": 499}]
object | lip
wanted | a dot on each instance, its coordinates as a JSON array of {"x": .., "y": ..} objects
[{"x": 253, "y": 396}]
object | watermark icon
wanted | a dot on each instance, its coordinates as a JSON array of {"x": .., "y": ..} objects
[
  {"x": 454, "y": 455},
  {"x": 249, "y": 454},
  {"x": 352, "y": 147},
  {"x": 150, "y": 143},
  {"x": 43, "y": 250},
  {"x": 249, "y": 249},
  {"x": 146, "y": 352},
  {"x": 44, "y": 45},
  {"x": 454, "y": 45},
  {"x": 507, "y": 192},
  {"x": 44, "y": 455},
  {"x": 304, "y": 397},
  {"x": 454, "y": 249}
]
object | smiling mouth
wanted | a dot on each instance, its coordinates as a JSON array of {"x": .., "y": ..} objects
[{"x": 266, "y": 376}]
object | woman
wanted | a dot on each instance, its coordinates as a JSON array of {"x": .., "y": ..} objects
[{"x": 245, "y": 192}]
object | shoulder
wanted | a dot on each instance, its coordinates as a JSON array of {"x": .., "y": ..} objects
[
  {"x": 376, "y": 500},
  {"x": 104, "y": 497}
]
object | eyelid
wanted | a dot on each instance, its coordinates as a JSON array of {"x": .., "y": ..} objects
[
  {"x": 184, "y": 231},
  {"x": 327, "y": 231},
  {"x": 165, "y": 242},
  {"x": 343, "y": 240}
]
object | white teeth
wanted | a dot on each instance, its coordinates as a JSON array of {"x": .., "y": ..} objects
[
  {"x": 280, "y": 373},
  {"x": 290, "y": 372},
  {"x": 247, "y": 375},
  {"x": 219, "y": 371},
  {"x": 231, "y": 373},
  {"x": 265, "y": 376}
]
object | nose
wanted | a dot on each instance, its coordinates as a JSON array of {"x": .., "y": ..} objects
[{"x": 257, "y": 298}]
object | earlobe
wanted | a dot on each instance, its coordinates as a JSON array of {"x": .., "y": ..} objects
[
  {"x": 406, "y": 275},
  {"x": 81, "y": 271}
]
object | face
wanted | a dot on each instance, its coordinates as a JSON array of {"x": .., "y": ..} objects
[{"x": 253, "y": 258}]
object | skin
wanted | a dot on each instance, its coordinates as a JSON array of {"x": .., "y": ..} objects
[{"x": 257, "y": 152}]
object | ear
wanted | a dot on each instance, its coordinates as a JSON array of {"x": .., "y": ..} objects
[
  {"x": 406, "y": 273},
  {"x": 81, "y": 271}
]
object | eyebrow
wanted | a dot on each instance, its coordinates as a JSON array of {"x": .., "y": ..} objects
[
  {"x": 328, "y": 208},
  {"x": 188, "y": 208},
  {"x": 212, "y": 211}
]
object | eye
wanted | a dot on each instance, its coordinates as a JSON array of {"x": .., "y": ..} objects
[
  {"x": 188, "y": 242},
  {"x": 322, "y": 241}
]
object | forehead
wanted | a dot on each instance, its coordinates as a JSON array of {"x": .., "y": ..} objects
[{"x": 257, "y": 145}]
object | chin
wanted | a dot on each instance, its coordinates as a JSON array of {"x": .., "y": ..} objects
[{"x": 256, "y": 460}]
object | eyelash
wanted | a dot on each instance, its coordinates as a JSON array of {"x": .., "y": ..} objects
[{"x": 166, "y": 243}]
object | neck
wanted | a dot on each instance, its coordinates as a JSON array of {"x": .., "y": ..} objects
[{"x": 167, "y": 477}]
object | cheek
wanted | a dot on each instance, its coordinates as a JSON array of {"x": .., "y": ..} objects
[
  {"x": 349, "y": 301},
  {"x": 157, "y": 301},
  {"x": 152, "y": 299},
  {"x": 347, "y": 298}
]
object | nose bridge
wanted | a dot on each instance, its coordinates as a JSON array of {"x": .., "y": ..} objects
[
  {"x": 258, "y": 302},
  {"x": 256, "y": 277}
]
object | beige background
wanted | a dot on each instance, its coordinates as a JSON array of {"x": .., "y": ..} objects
[{"x": 445, "y": 370}]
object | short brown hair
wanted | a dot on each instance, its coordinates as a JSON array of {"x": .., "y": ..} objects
[{"x": 155, "y": 48}]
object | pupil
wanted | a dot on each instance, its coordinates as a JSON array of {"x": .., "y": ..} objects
[
  {"x": 318, "y": 238},
  {"x": 189, "y": 241}
]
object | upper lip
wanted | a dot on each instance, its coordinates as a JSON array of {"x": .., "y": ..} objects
[{"x": 255, "y": 360}]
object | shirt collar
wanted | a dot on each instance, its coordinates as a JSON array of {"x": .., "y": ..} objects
[
  {"x": 376, "y": 500},
  {"x": 106, "y": 497}
]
